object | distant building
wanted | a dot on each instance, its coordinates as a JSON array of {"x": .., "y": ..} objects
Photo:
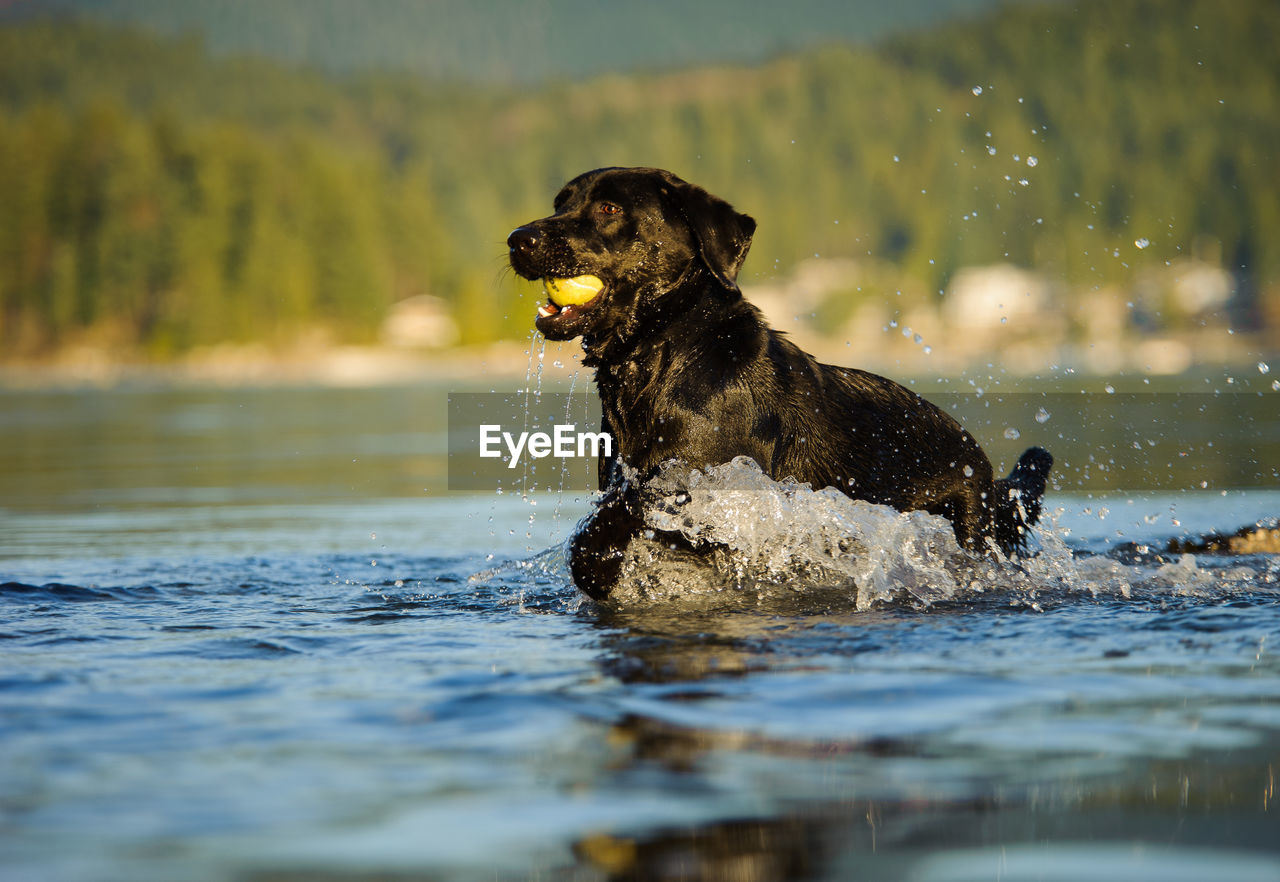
[
  {"x": 789, "y": 302},
  {"x": 421, "y": 322},
  {"x": 1199, "y": 287},
  {"x": 986, "y": 297}
]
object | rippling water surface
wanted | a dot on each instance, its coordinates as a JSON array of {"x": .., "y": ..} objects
[{"x": 238, "y": 640}]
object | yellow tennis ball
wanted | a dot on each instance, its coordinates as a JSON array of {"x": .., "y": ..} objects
[{"x": 568, "y": 292}]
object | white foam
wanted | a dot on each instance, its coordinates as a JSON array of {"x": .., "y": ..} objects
[
  {"x": 785, "y": 536},
  {"x": 761, "y": 538}
]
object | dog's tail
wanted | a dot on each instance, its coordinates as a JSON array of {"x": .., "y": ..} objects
[{"x": 1018, "y": 498}]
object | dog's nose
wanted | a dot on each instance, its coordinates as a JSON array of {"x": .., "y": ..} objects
[{"x": 523, "y": 240}]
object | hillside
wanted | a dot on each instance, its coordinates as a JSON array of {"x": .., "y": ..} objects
[
  {"x": 158, "y": 197},
  {"x": 502, "y": 42}
]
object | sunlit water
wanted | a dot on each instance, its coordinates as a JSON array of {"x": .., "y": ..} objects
[{"x": 239, "y": 640}]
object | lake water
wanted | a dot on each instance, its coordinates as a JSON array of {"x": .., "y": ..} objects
[{"x": 248, "y": 634}]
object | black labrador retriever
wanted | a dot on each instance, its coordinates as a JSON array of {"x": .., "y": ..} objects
[{"x": 689, "y": 370}]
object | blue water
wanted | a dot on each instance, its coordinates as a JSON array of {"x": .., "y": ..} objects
[{"x": 223, "y": 679}]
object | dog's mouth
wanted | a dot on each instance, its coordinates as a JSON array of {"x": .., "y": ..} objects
[{"x": 567, "y": 299}]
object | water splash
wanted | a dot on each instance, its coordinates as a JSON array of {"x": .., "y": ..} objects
[
  {"x": 564, "y": 463},
  {"x": 532, "y": 395},
  {"x": 757, "y": 541}
]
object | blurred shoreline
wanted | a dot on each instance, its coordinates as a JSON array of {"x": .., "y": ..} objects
[
  {"x": 250, "y": 365},
  {"x": 505, "y": 364}
]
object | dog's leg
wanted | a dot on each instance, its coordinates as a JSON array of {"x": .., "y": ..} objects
[
  {"x": 970, "y": 515},
  {"x": 597, "y": 549}
]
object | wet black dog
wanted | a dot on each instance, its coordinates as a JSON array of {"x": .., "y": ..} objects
[{"x": 687, "y": 369}]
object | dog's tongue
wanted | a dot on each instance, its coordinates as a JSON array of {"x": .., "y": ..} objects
[{"x": 570, "y": 292}]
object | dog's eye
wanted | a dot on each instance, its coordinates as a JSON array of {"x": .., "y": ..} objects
[{"x": 608, "y": 208}]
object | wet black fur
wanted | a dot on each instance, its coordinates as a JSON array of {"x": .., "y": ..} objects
[{"x": 687, "y": 369}]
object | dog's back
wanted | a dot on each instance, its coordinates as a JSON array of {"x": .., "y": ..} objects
[{"x": 876, "y": 440}]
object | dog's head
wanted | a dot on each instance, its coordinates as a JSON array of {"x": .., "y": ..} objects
[{"x": 641, "y": 232}]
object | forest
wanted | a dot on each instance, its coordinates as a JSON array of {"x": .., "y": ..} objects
[{"x": 155, "y": 198}]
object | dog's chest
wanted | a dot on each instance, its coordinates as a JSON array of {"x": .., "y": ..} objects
[{"x": 626, "y": 393}]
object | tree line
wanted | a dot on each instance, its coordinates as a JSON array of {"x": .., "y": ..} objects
[{"x": 155, "y": 198}]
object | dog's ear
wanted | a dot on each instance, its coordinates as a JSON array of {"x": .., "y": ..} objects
[{"x": 723, "y": 235}]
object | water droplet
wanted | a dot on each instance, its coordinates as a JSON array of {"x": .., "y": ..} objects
[
  {"x": 1042, "y": 416},
  {"x": 928, "y": 350},
  {"x": 1032, "y": 161},
  {"x": 1264, "y": 368},
  {"x": 991, "y": 150},
  {"x": 918, "y": 339},
  {"x": 896, "y": 159},
  {"x": 1111, "y": 390},
  {"x": 1275, "y": 385},
  {"x": 1023, "y": 181},
  {"x": 1142, "y": 243},
  {"x": 968, "y": 471},
  {"x": 1012, "y": 434},
  {"x": 977, "y": 90}
]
